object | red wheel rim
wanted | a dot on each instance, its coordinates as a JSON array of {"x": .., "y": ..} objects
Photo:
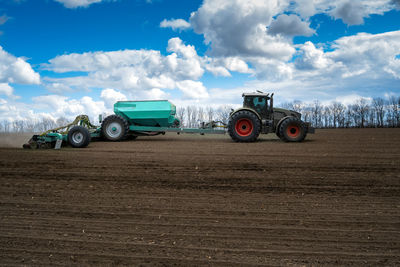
[
  {"x": 244, "y": 127},
  {"x": 293, "y": 131}
]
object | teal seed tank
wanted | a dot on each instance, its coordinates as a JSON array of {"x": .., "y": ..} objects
[{"x": 154, "y": 113}]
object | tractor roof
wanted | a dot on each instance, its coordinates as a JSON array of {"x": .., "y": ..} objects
[{"x": 257, "y": 94}]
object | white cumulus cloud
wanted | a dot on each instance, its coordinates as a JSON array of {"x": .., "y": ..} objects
[
  {"x": 372, "y": 54},
  {"x": 175, "y": 24},
  {"x": 362, "y": 63},
  {"x": 130, "y": 70},
  {"x": 193, "y": 89},
  {"x": 239, "y": 28},
  {"x": 350, "y": 11},
  {"x": 16, "y": 70},
  {"x": 141, "y": 73},
  {"x": 77, "y": 3},
  {"x": 111, "y": 96},
  {"x": 6, "y": 89},
  {"x": 144, "y": 73},
  {"x": 290, "y": 25},
  {"x": 62, "y": 106},
  {"x": 312, "y": 58}
]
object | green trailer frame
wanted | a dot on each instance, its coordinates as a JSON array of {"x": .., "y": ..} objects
[
  {"x": 50, "y": 138},
  {"x": 146, "y": 129}
]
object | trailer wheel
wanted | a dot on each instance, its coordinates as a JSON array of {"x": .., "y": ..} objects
[
  {"x": 114, "y": 128},
  {"x": 244, "y": 126},
  {"x": 292, "y": 130},
  {"x": 78, "y": 137}
]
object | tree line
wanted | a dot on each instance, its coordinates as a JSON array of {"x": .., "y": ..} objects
[
  {"x": 363, "y": 113},
  {"x": 32, "y": 126}
]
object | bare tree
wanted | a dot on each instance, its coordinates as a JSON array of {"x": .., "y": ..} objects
[
  {"x": 306, "y": 114},
  {"x": 37, "y": 126},
  {"x": 47, "y": 124},
  {"x": 296, "y": 105},
  {"x": 210, "y": 113},
  {"x": 378, "y": 106},
  {"x": 18, "y": 126},
  {"x": 189, "y": 112},
  {"x": 394, "y": 111},
  {"x": 316, "y": 111},
  {"x": 223, "y": 113},
  {"x": 338, "y": 113},
  {"x": 354, "y": 115},
  {"x": 348, "y": 117},
  {"x": 180, "y": 113},
  {"x": 361, "y": 108},
  {"x": 29, "y": 126},
  {"x": 6, "y": 125},
  {"x": 61, "y": 121},
  {"x": 200, "y": 115},
  {"x": 371, "y": 120},
  {"x": 327, "y": 115},
  {"x": 193, "y": 118}
]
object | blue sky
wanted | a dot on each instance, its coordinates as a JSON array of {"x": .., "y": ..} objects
[{"x": 66, "y": 57}]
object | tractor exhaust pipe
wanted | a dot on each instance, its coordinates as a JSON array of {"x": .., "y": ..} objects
[{"x": 271, "y": 103}]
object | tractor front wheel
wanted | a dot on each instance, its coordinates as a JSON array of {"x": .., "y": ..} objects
[
  {"x": 292, "y": 130},
  {"x": 244, "y": 126},
  {"x": 78, "y": 137},
  {"x": 114, "y": 128}
]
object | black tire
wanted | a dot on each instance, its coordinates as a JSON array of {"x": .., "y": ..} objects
[
  {"x": 244, "y": 126},
  {"x": 78, "y": 137},
  {"x": 114, "y": 128},
  {"x": 278, "y": 133},
  {"x": 292, "y": 130}
]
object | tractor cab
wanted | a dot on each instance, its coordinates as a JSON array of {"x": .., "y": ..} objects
[{"x": 260, "y": 102}]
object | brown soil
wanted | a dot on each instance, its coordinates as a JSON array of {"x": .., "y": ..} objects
[{"x": 198, "y": 200}]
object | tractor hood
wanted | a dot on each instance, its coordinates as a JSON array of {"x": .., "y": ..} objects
[{"x": 288, "y": 112}]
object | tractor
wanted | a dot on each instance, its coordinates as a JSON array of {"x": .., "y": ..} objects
[
  {"x": 138, "y": 118},
  {"x": 258, "y": 115}
]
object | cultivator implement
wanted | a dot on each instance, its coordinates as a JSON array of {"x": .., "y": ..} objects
[{"x": 80, "y": 131}]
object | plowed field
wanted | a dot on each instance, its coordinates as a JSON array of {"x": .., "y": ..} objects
[{"x": 198, "y": 200}]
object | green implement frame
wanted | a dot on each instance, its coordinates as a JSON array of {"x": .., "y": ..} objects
[
  {"x": 50, "y": 138},
  {"x": 205, "y": 130},
  {"x": 81, "y": 120}
]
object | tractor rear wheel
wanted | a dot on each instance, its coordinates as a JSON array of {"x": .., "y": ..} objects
[
  {"x": 78, "y": 137},
  {"x": 244, "y": 126},
  {"x": 114, "y": 128},
  {"x": 292, "y": 130}
]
